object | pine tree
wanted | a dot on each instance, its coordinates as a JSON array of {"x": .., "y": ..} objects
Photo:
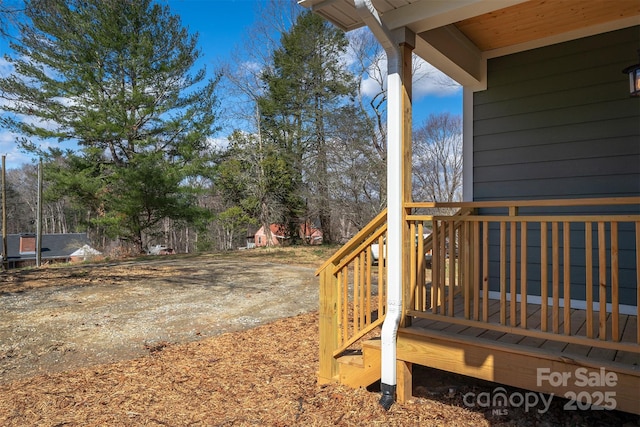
[
  {"x": 306, "y": 88},
  {"x": 116, "y": 77}
]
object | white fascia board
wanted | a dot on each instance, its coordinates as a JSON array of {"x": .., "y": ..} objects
[
  {"x": 429, "y": 14},
  {"x": 321, "y": 4},
  {"x": 451, "y": 52},
  {"x": 340, "y": 13},
  {"x": 315, "y": 4}
]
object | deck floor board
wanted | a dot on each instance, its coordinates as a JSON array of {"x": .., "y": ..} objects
[
  {"x": 629, "y": 334},
  {"x": 578, "y": 322}
]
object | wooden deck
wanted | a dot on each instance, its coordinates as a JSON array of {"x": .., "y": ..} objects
[
  {"x": 522, "y": 254},
  {"x": 518, "y": 359},
  {"x": 558, "y": 346}
]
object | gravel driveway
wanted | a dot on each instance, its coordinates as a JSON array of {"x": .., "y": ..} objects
[{"x": 92, "y": 315}]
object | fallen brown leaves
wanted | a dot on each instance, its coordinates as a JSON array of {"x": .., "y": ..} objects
[{"x": 261, "y": 376}]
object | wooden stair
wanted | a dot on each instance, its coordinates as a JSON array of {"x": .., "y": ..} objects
[{"x": 361, "y": 370}]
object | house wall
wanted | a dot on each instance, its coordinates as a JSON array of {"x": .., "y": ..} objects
[
  {"x": 558, "y": 122},
  {"x": 261, "y": 238}
]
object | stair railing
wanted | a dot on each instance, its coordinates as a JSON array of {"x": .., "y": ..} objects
[{"x": 352, "y": 294}]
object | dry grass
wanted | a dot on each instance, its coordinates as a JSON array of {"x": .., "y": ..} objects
[
  {"x": 19, "y": 280},
  {"x": 307, "y": 256}
]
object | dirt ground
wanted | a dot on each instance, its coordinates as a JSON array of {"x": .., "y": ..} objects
[
  {"x": 203, "y": 341},
  {"x": 58, "y": 319}
]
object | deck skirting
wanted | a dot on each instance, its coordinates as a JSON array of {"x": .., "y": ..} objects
[{"x": 528, "y": 368}]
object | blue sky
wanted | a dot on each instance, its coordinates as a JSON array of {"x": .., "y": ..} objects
[{"x": 222, "y": 24}]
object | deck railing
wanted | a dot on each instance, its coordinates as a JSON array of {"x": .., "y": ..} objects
[
  {"x": 519, "y": 253},
  {"x": 550, "y": 256}
]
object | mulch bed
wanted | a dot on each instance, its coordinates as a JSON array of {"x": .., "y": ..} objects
[{"x": 263, "y": 376}]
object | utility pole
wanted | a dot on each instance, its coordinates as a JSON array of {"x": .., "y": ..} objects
[
  {"x": 39, "y": 218},
  {"x": 5, "y": 257}
]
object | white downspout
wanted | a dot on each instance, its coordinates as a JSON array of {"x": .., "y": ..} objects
[{"x": 394, "y": 199}]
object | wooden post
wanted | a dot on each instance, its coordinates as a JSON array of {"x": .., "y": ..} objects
[
  {"x": 328, "y": 324},
  {"x": 406, "y": 52},
  {"x": 404, "y": 377},
  {"x": 404, "y": 389}
]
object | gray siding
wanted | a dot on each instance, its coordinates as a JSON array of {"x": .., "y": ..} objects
[
  {"x": 558, "y": 122},
  {"x": 626, "y": 255}
]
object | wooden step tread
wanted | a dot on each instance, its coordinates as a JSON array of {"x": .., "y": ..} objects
[
  {"x": 361, "y": 369},
  {"x": 352, "y": 360},
  {"x": 374, "y": 344}
]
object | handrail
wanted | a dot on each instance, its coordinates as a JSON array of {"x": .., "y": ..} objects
[
  {"x": 595, "y": 201},
  {"x": 354, "y": 242}
]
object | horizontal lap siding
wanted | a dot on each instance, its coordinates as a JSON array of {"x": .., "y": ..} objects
[
  {"x": 626, "y": 254},
  {"x": 558, "y": 122}
]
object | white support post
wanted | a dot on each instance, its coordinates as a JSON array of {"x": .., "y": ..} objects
[
  {"x": 398, "y": 192},
  {"x": 394, "y": 224},
  {"x": 398, "y": 46}
]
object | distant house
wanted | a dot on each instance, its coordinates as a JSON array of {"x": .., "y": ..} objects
[
  {"x": 309, "y": 233},
  {"x": 71, "y": 247},
  {"x": 278, "y": 236}
]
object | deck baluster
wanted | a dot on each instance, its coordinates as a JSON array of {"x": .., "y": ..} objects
[
  {"x": 615, "y": 310},
  {"x": 544, "y": 276},
  {"x": 503, "y": 273},
  {"x": 602, "y": 269},
  {"x": 523, "y": 275},
  {"x": 513, "y": 279},
  {"x": 566, "y": 285},
  {"x": 588, "y": 238}
]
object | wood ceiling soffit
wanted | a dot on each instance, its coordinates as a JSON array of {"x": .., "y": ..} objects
[
  {"x": 422, "y": 16},
  {"x": 538, "y": 19}
]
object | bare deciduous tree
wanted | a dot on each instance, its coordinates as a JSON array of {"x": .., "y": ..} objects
[{"x": 437, "y": 159}]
